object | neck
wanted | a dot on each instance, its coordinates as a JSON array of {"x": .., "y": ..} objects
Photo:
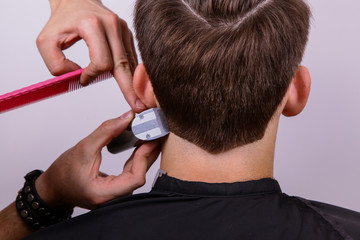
[{"x": 184, "y": 160}]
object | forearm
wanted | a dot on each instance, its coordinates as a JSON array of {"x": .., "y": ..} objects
[
  {"x": 74, "y": 179},
  {"x": 12, "y": 226}
]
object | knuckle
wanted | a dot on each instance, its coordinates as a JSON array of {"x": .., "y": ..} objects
[
  {"x": 40, "y": 40},
  {"x": 93, "y": 21},
  {"x": 113, "y": 19},
  {"x": 137, "y": 154},
  {"x": 141, "y": 154},
  {"x": 107, "y": 125},
  {"x": 140, "y": 181},
  {"x": 56, "y": 70},
  {"x": 123, "y": 63},
  {"x": 105, "y": 65},
  {"x": 123, "y": 24}
]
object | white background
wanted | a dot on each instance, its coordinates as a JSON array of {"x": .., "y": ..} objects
[{"x": 317, "y": 153}]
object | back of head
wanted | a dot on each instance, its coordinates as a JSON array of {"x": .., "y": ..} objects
[{"x": 220, "y": 68}]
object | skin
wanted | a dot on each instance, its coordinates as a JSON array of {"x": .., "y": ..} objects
[
  {"x": 110, "y": 43},
  {"x": 74, "y": 178},
  {"x": 111, "y": 48},
  {"x": 184, "y": 160}
]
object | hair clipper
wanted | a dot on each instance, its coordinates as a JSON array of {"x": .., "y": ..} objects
[{"x": 146, "y": 126}]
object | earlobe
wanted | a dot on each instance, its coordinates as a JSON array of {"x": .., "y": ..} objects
[
  {"x": 143, "y": 87},
  {"x": 298, "y": 92}
]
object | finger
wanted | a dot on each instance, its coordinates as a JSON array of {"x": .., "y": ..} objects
[
  {"x": 101, "y": 59},
  {"x": 128, "y": 165},
  {"x": 124, "y": 61},
  {"x": 143, "y": 158},
  {"x": 129, "y": 48},
  {"x": 107, "y": 131},
  {"x": 54, "y": 58},
  {"x": 133, "y": 48}
]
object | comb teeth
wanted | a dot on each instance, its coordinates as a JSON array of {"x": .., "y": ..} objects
[
  {"x": 50, "y": 88},
  {"x": 74, "y": 83}
]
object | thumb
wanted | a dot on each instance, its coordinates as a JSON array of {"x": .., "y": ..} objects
[
  {"x": 134, "y": 173},
  {"x": 108, "y": 130}
]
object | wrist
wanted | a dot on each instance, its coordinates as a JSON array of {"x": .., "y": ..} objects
[
  {"x": 32, "y": 208},
  {"x": 51, "y": 196}
]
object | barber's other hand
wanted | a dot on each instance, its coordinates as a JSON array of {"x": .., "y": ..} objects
[
  {"x": 74, "y": 178},
  {"x": 110, "y": 42}
]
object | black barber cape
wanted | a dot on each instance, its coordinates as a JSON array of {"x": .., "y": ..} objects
[{"x": 176, "y": 209}]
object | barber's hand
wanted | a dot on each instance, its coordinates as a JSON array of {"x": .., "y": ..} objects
[
  {"x": 110, "y": 42},
  {"x": 74, "y": 178}
]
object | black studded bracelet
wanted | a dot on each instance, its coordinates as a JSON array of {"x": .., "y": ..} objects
[{"x": 32, "y": 209}]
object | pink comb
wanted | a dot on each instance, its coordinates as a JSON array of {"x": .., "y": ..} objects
[{"x": 52, "y": 87}]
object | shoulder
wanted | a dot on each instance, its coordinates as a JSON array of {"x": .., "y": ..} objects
[
  {"x": 344, "y": 220},
  {"x": 104, "y": 222}
]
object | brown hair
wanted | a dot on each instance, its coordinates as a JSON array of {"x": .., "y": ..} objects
[{"x": 220, "y": 68}]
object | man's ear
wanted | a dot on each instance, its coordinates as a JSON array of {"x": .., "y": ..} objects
[
  {"x": 143, "y": 87},
  {"x": 298, "y": 92}
]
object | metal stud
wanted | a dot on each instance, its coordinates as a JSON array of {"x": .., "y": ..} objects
[
  {"x": 24, "y": 213},
  {"x": 27, "y": 189},
  {"x": 35, "y": 205},
  {"x": 19, "y": 204},
  {"x": 41, "y": 211},
  {"x": 36, "y": 225},
  {"x": 30, "y": 197},
  {"x": 29, "y": 220},
  {"x": 19, "y": 197}
]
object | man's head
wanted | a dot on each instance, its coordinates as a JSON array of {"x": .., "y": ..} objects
[{"x": 220, "y": 68}]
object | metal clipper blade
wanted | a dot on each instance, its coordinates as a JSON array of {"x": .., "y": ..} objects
[{"x": 146, "y": 126}]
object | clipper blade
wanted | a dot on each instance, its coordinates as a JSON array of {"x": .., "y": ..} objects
[
  {"x": 146, "y": 126},
  {"x": 150, "y": 125}
]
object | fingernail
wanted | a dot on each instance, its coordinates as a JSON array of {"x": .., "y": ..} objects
[
  {"x": 140, "y": 105},
  {"x": 127, "y": 115}
]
